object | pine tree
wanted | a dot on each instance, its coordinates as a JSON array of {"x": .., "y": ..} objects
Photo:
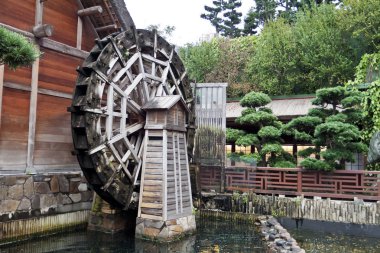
[
  {"x": 213, "y": 14},
  {"x": 223, "y": 15},
  {"x": 265, "y": 129},
  {"x": 339, "y": 134}
]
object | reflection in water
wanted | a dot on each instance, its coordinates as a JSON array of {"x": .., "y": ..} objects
[
  {"x": 314, "y": 242},
  {"x": 211, "y": 237},
  {"x": 331, "y": 237}
]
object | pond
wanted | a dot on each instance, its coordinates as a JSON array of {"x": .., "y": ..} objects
[
  {"x": 333, "y": 237},
  {"x": 212, "y": 236}
]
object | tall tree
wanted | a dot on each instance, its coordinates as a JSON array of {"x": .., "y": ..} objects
[
  {"x": 225, "y": 17},
  {"x": 213, "y": 14},
  {"x": 232, "y": 19}
]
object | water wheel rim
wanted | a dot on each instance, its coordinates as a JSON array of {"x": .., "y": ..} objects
[{"x": 122, "y": 73}]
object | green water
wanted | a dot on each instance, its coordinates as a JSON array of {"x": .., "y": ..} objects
[
  {"x": 317, "y": 242},
  {"x": 212, "y": 236},
  {"x": 333, "y": 237}
]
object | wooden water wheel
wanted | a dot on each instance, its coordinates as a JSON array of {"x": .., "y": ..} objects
[{"x": 122, "y": 73}]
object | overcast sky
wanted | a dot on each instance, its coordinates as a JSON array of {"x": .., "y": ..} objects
[{"x": 183, "y": 14}]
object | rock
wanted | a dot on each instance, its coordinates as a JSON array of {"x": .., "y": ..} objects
[
  {"x": 54, "y": 184},
  {"x": 8, "y": 206},
  {"x": 24, "y": 205},
  {"x": 176, "y": 228},
  {"x": 280, "y": 242},
  {"x": 64, "y": 186},
  {"x": 36, "y": 202},
  {"x": 20, "y": 180},
  {"x": 76, "y": 197},
  {"x": 63, "y": 199},
  {"x": 272, "y": 222},
  {"x": 164, "y": 233},
  {"x": 47, "y": 201},
  {"x": 3, "y": 192},
  {"x": 42, "y": 187},
  {"x": 16, "y": 192},
  {"x": 82, "y": 187},
  {"x": 29, "y": 188},
  {"x": 272, "y": 237},
  {"x": 74, "y": 186},
  {"x": 151, "y": 232},
  {"x": 86, "y": 196},
  {"x": 10, "y": 180},
  {"x": 153, "y": 224}
]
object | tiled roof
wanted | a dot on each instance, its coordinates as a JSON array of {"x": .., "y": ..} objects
[{"x": 281, "y": 107}]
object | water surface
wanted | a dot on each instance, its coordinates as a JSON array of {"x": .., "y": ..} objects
[{"x": 211, "y": 236}]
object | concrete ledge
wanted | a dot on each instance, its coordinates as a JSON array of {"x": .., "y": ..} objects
[{"x": 22, "y": 229}]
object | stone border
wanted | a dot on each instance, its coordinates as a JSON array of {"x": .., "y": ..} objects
[{"x": 277, "y": 237}]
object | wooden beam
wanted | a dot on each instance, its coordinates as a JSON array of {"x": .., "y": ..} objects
[
  {"x": 62, "y": 48},
  {"x": 1, "y": 89},
  {"x": 41, "y": 31},
  {"x": 87, "y": 19},
  {"x": 106, "y": 28},
  {"x": 48, "y": 92},
  {"x": 90, "y": 11},
  {"x": 32, "y": 118},
  {"x": 16, "y": 30}
]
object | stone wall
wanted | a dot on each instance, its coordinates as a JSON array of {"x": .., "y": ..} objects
[
  {"x": 35, "y": 197},
  {"x": 356, "y": 212}
]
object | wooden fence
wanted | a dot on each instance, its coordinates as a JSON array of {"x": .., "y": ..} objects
[{"x": 340, "y": 184}]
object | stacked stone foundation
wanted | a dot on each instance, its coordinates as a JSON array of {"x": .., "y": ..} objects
[
  {"x": 165, "y": 231},
  {"x": 40, "y": 204}
]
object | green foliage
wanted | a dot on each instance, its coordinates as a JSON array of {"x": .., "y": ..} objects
[
  {"x": 332, "y": 96},
  {"x": 223, "y": 15},
  {"x": 269, "y": 148},
  {"x": 316, "y": 48},
  {"x": 273, "y": 66},
  {"x": 269, "y": 133},
  {"x": 233, "y": 134},
  {"x": 284, "y": 164},
  {"x": 307, "y": 152},
  {"x": 314, "y": 164},
  {"x": 16, "y": 50},
  {"x": 200, "y": 59},
  {"x": 221, "y": 60},
  {"x": 248, "y": 140},
  {"x": 251, "y": 158},
  {"x": 258, "y": 119},
  {"x": 255, "y": 99}
]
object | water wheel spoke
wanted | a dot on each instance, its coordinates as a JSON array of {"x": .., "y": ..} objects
[{"x": 134, "y": 68}]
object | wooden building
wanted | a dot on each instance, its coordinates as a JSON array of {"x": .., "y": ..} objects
[
  {"x": 165, "y": 187},
  {"x": 35, "y": 135}
]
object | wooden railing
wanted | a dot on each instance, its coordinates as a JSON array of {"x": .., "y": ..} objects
[{"x": 340, "y": 184}]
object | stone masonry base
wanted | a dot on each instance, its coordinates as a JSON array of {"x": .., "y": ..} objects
[{"x": 165, "y": 231}]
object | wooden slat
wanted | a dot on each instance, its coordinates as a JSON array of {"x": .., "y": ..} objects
[{"x": 1, "y": 89}]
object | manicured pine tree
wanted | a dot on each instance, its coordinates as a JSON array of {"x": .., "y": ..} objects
[
  {"x": 265, "y": 129},
  {"x": 338, "y": 133}
]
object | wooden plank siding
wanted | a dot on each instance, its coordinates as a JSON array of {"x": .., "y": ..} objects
[
  {"x": 57, "y": 71},
  {"x": 50, "y": 145},
  {"x": 19, "y": 14},
  {"x": 14, "y": 129}
]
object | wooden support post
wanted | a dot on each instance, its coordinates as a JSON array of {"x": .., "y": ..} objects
[
  {"x": 39, "y": 13},
  {"x": 32, "y": 118},
  {"x": 1, "y": 89},
  {"x": 79, "y": 33}
]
